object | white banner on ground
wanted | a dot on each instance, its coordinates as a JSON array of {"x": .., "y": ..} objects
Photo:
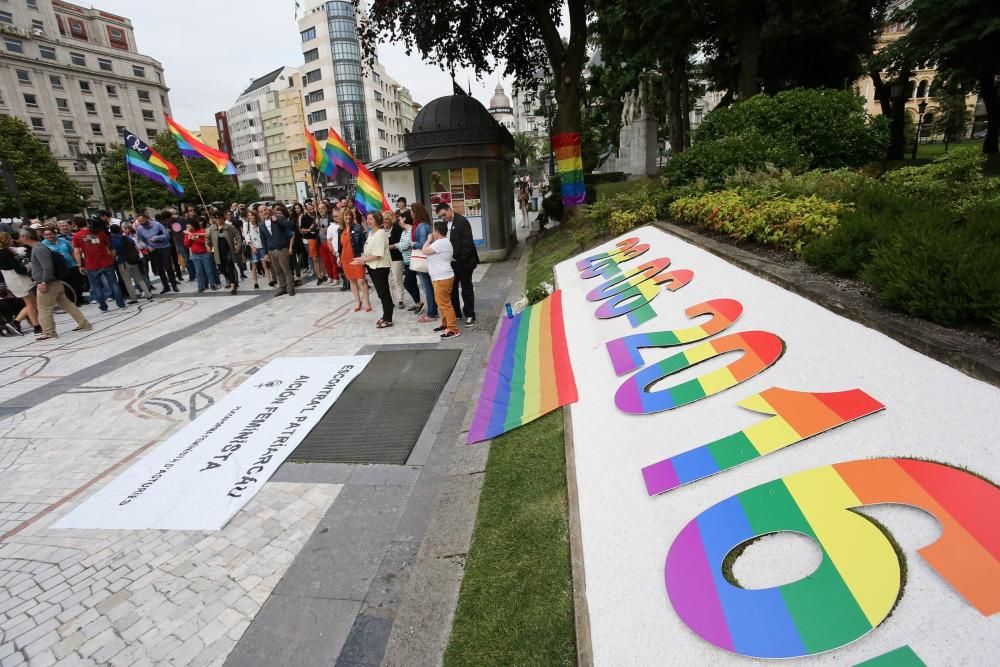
[{"x": 201, "y": 477}]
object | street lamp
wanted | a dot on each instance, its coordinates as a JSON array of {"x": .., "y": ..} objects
[
  {"x": 94, "y": 158},
  {"x": 549, "y": 104},
  {"x": 921, "y": 108}
]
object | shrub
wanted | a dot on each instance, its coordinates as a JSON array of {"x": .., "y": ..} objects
[
  {"x": 712, "y": 161},
  {"x": 829, "y": 127},
  {"x": 954, "y": 180},
  {"x": 836, "y": 185},
  {"x": 771, "y": 219}
]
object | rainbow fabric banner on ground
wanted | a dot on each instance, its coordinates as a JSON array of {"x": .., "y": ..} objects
[
  {"x": 340, "y": 153},
  {"x": 143, "y": 160},
  {"x": 368, "y": 196},
  {"x": 569, "y": 161},
  {"x": 529, "y": 372},
  {"x": 191, "y": 147}
]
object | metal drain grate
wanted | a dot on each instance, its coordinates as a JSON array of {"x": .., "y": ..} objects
[{"x": 381, "y": 414}]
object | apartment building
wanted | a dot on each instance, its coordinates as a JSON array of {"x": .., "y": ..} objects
[
  {"x": 285, "y": 143},
  {"x": 245, "y": 128},
  {"x": 371, "y": 110},
  {"x": 76, "y": 77}
]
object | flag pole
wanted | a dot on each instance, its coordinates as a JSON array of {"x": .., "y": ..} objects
[
  {"x": 130, "y": 195},
  {"x": 197, "y": 189}
]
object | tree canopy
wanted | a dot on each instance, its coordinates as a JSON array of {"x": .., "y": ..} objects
[{"x": 44, "y": 186}]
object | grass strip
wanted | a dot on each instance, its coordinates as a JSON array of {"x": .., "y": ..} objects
[{"x": 516, "y": 602}]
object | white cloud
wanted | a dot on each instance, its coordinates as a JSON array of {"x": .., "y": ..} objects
[{"x": 212, "y": 49}]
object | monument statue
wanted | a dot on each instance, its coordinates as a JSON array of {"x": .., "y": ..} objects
[{"x": 643, "y": 106}]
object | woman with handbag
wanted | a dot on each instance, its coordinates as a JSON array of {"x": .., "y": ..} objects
[
  {"x": 16, "y": 272},
  {"x": 418, "y": 261},
  {"x": 352, "y": 242}
]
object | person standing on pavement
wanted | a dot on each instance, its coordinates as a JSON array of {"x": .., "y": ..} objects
[
  {"x": 466, "y": 259},
  {"x": 64, "y": 246},
  {"x": 421, "y": 235},
  {"x": 15, "y": 269},
  {"x": 256, "y": 247},
  {"x": 226, "y": 245},
  {"x": 196, "y": 242},
  {"x": 50, "y": 290},
  {"x": 352, "y": 242},
  {"x": 129, "y": 259},
  {"x": 324, "y": 222},
  {"x": 157, "y": 239},
  {"x": 276, "y": 235},
  {"x": 95, "y": 256},
  {"x": 441, "y": 267},
  {"x": 397, "y": 268},
  {"x": 375, "y": 256}
]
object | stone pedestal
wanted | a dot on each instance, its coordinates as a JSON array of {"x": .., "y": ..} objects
[{"x": 642, "y": 154}]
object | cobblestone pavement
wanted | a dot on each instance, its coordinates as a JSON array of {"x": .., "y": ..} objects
[{"x": 84, "y": 407}]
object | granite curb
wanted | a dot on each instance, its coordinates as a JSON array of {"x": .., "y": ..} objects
[{"x": 936, "y": 342}]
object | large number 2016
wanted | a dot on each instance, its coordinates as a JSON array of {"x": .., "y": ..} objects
[{"x": 858, "y": 580}]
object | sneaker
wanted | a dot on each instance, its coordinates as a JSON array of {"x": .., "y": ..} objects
[
  {"x": 233, "y": 291},
  {"x": 441, "y": 328},
  {"x": 450, "y": 334},
  {"x": 470, "y": 321},
  {"x": 176, "y": 289},
  {"x": 215, "y": 288},
  {"x": 85, "y": 327},
  {"x": 149, "y": 297},
  {"x": 133, "y": 301}
]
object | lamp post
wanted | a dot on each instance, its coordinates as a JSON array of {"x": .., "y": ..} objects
[
  {"x": 94, "y": 158},
  {"x": 921, "y": 108}
]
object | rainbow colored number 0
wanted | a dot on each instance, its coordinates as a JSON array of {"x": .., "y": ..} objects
[
  {"x": 857, "y": 582},
  {"x": 760, "y": 350}
]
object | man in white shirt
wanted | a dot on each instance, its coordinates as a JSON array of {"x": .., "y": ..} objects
[{"x": 439, "y": 255}]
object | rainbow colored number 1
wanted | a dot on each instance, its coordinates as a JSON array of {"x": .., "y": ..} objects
[{"x": 858, "y": 580}]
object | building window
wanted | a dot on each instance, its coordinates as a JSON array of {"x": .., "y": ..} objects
[
  {"x": 77, "y": 59},
  {"x": 308, "y": 34},
  {"x": 23, "y": 76},
  {"x": 163, "y": 101},
  {"x": 313, "y": 76},
  {"x": 116, "y": 111},
  {"x": 37, "y": 26},
  {"x": 321, "y": 135},
  {"x": 104, "y": 64},
  {"x": 311, "y": 55},
  {"x": 346, "y": 51},
  {"x": 381, "y": 134},
  {"x": 317, "y": 116},
  {"x": 143, "y": 96},
  {"x": 55, "y": 81},
  {"x": 68, "y": 126},
  {"x": 139, "y": 71},
  {"x": 151, "y": 133},
  {"x": 379, "y": 115},
  {"x": 95, "y": 128},
  {"x": 91, "y": 108},
  {"x": 62, "y": 104},
  {"x": 7, "y": 17},
  {"x": 147, "y": 114},
  {"x": 112, "y": 91},
  {"x": 120, "y": 130},
  {"x": 85, "y": 87},
  {"x": 37, "y": 123},
  {"x": 77, "y": 29},
  {"x": 13, "y": 45},
  {"x": 315, "y": 96},
  {"x": 100, "y": 149},
  {"x": 46, "y": 52},
  {"x": 32, "y": 4},
  {"x": 159, "y": 78},
  {"x": 62, "y": 27},
  {"x": 30, "y": 101},
  {"x": 73, "y": 146},
  {"x": 116, "y": 37}
]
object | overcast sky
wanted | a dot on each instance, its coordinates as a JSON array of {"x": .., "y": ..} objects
[{"x": 211, "y": 49}]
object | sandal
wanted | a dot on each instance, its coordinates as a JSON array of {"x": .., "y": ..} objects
[
  {"x": 358, "y": 307},
  {"x": 383, "y": 324},
  {"x": 368, "y": 309},
  {"x": 45, "y": 337}
]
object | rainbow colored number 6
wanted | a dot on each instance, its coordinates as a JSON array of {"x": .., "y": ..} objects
[{"x": 858, "y": 579}]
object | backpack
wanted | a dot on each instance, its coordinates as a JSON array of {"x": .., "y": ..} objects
[
  {"x": 129, "y": 252},
  {"x": 60, "y": 268}
]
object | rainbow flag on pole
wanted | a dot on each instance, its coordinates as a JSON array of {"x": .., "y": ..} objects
[
  {"x": 318, "y": 157},
  {"x": 191, "y": 147},
  {"x": 143, "y": 160},
  {"x": 368, "y": 195},
  {"x": 569, "y": 161},
  {"x": 529, "y": 372},
  {"x": 340, "y": 153}
]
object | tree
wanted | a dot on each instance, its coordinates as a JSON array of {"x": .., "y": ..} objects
[
  {"x": 953, "y": 113},
  {"x": 525, "y": 148},
  {"x": 45, "y": 189},
  {"x": 963, "y": 38},
  {"x": 149, "y": 194},
  {"x": 248, "y": 194},
  {"x": 524, "y": 33}
]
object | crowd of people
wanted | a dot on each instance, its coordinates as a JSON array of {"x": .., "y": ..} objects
[{"x": 401, "y": 253}]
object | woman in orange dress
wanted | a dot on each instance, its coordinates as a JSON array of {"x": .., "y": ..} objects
[{"x": 352, "y": 240}]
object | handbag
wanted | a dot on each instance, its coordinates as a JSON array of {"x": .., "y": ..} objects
[{"x": 418, "y": 262}]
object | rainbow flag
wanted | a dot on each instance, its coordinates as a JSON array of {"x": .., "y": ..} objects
[
  {"x": 191, "y": 147},
  {"x": 143, "y": 160},
  {"x": 340, "y": 153},
  {"x": 529, "y": 372},
  {"x": 569, "y": 161},
  {"x": 368, "y": 195},
  {"x": 318, "y": 157}
]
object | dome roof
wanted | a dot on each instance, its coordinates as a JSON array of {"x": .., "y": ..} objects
[
  {"x": 455, "y": 120},
  {"x": 499, "y": 99}
]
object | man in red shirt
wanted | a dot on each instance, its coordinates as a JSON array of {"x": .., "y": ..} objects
[{"x": 96, "y": 258}]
